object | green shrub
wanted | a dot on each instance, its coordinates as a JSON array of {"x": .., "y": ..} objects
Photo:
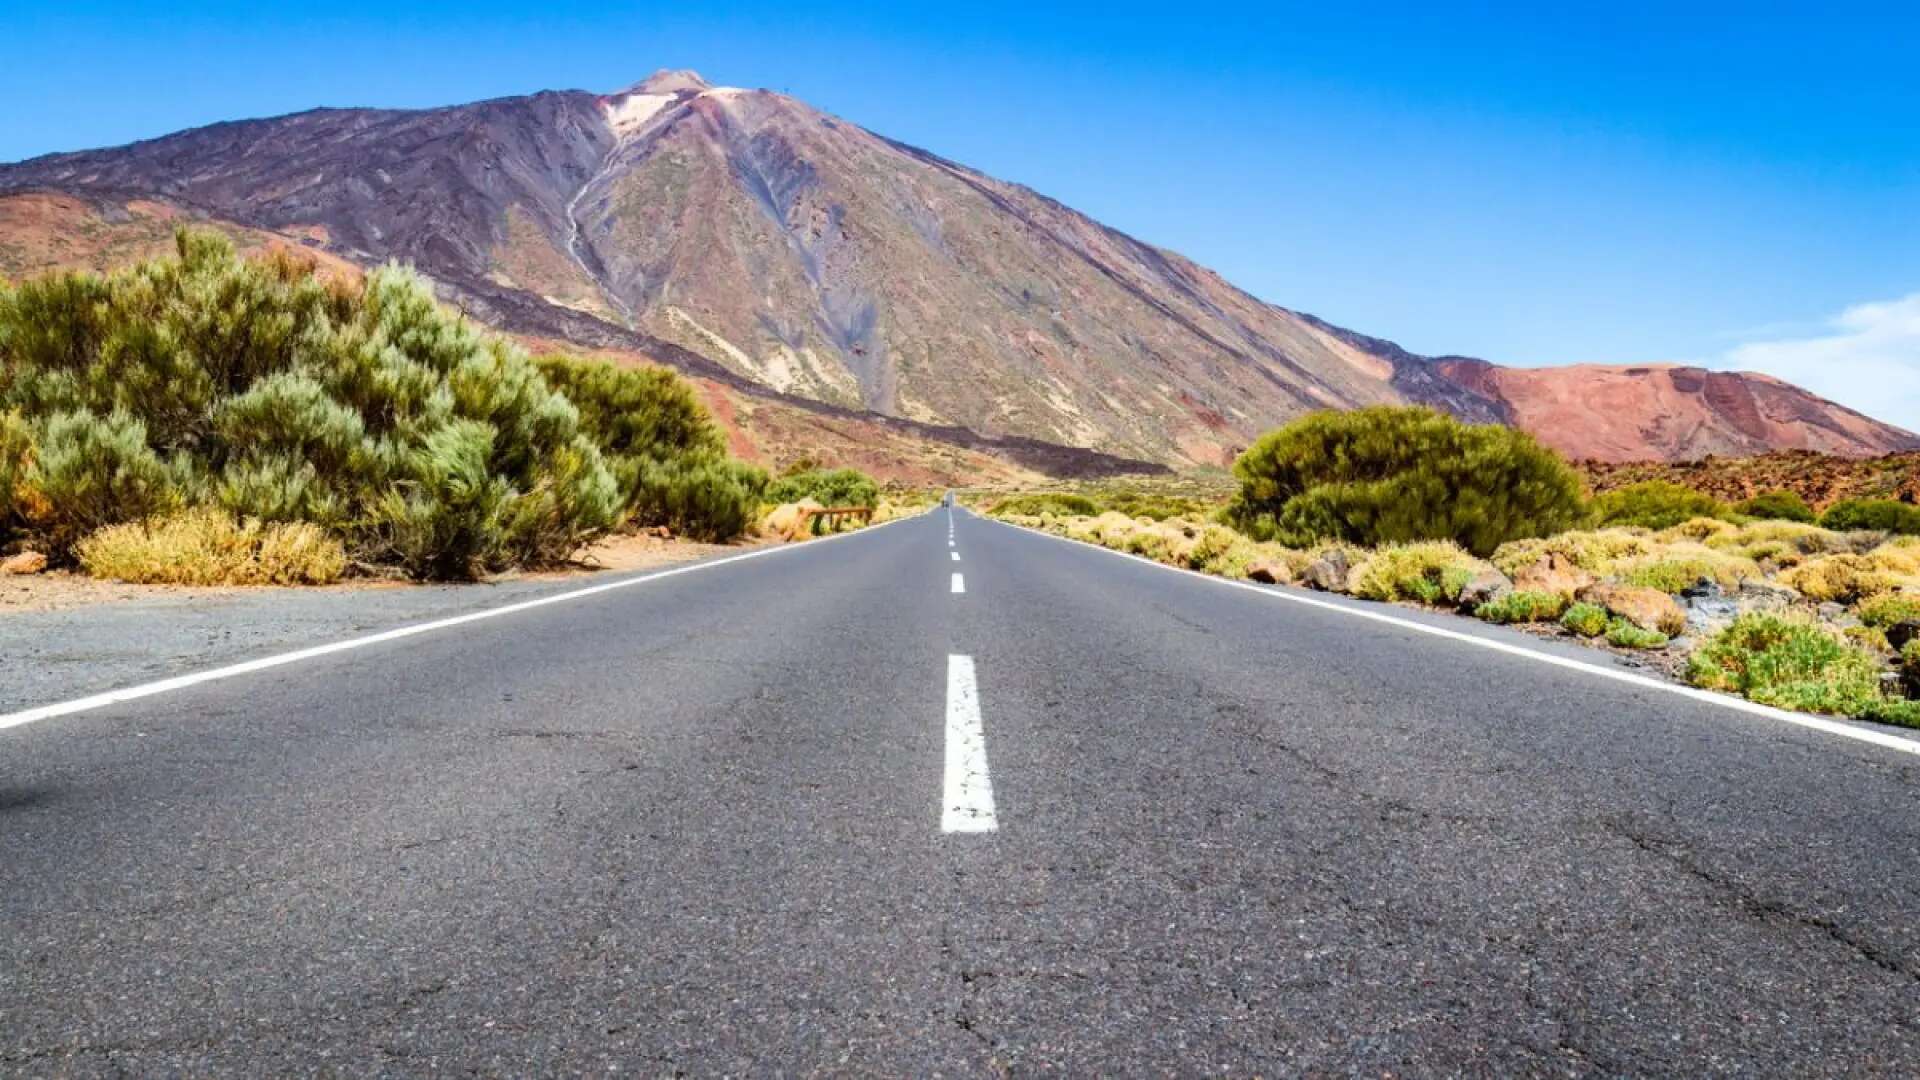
[
  {"x": 1654, "y": 504},
  {"x": 88, "y": 471},
  {"x": 645, "y": 412},
  {"x": 1879, "y": 515},
  {"x": 1430, "y": 573},
  {"x": 1522, "y": 607},
  {"x": 208, "y": 547},
  {"x": 828, "y": 487},
  {"x": 1587, "y": 620},
  {"x": 1886, "y": 609},
  {"x": 1871, "y": 638},
  {"x": 1387, "y": 475},
  {"x": 1793, "y": 664},
  {"x": 705, "y": 497},
  {"x": 1046, "y": 502},
  {"x": 15, "y": 444},
  {"x": 1777, "y": 505},
  {"x": 409, "y": 433},
  {"x": 1626, "y": 635},
  {"x": 1220, "y": 550},
  {"x": 668, "y": 458}
]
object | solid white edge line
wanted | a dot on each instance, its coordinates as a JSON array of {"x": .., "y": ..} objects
[
  {"x": 181, "y": 682},
  {"x": 1886, "y": 740},
  {"x": 959, "y": 584},
  {"x": 967, "y": 805}
]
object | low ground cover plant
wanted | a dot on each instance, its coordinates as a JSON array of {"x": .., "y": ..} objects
[
  {"x": 1522, "y": 606},
  {"x": 1761, "y": 564},
  {"x": 1886, "y": 609},
  {"x": 1429, "y": 573},
  {"x": 1795, "y": 664},
  {"x": 1680, "y": 566},
  {"x": 1592, "y": 550},
  {"x": 1587, "y": 620},
  {"x": 1624, "y": 634},
  {"x": 1842, "y": 578}
]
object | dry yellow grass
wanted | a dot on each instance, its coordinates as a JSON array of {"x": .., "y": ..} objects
[
  {"x": 1672, "y": 567},
  {"x": 1429, "y": 572},
  {"x": 1593, "y": 550},
  {"x": 1841, "y": 578},
  {"x": 208, "y": 547}
]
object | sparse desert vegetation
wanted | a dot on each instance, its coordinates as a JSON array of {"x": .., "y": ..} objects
[
  {"x": 190, "y": 417},
  {"x": 1750, "y": 597},
  {"x": 206, "y": 546}
]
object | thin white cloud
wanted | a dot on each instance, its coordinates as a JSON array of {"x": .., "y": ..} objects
[{"x": 1869, "y": 359}]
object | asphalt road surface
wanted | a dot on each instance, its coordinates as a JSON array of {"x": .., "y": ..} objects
[{"x": 899, "y": 804}]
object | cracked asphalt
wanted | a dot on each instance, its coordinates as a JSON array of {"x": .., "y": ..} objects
[{"x": 694, "y": 827}]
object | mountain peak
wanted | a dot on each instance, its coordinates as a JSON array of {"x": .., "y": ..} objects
[
  {"x": 669, "y": 81},
  {"x": 775, "y": 245}
]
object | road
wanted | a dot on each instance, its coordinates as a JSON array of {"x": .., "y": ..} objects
[{"x": 757, "y": 818}]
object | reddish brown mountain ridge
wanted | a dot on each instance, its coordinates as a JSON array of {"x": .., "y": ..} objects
[{"x": 751, "y": 239}]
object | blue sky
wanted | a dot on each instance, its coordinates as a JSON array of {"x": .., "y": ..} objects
[{"x": 1610, "y": 183}]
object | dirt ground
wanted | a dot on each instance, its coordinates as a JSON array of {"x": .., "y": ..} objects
[{"x": 61, "y": 590}]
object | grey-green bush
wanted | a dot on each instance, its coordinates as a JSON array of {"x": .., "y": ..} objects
[
  {"x": 1778, "y": 506},
  {"x": 89, "y": 470},
  {"x": 668, "y": 459},
  {"x": 828, "y": 487},
  {"x": 1398, "y": 474},
  {"x": 1883, "y": 515},
  {"x": 1654, "y": 504},
  {"x": 415, "y": 436}
]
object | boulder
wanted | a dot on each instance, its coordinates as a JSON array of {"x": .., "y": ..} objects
[
  {"x": 1755, "y": 595},
  {"x": 789, "y": 521},
  {"x": 1484, "y": 587},
  {"x": 1268, "y": 572},
  {"x": 1553, "y": 573},
  {"x": 1709, "y": 608},
  {"x": 1329, "y": 572},
  {"x": 1649, "y": 609},
  {"x": 27, "y": 562},
  {"x": 1706, "y": 590}
]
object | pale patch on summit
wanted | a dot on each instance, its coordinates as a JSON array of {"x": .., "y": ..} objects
[{"x": 629, "y": 113}]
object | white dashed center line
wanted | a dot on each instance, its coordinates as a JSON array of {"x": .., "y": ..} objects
[
  {"x": 968, "y": 805},
  {"x": 955, "y": 554},
  {"x": 959, "y": 584}
]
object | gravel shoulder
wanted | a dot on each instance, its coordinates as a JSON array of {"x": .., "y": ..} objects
[{"x": 66, "y": 635}]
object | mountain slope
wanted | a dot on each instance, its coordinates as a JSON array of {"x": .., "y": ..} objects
[
  {"x": 1616, "y": 413},
  {"x": 41, "y": 232},
  {"x": 745, "y": 233}
]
